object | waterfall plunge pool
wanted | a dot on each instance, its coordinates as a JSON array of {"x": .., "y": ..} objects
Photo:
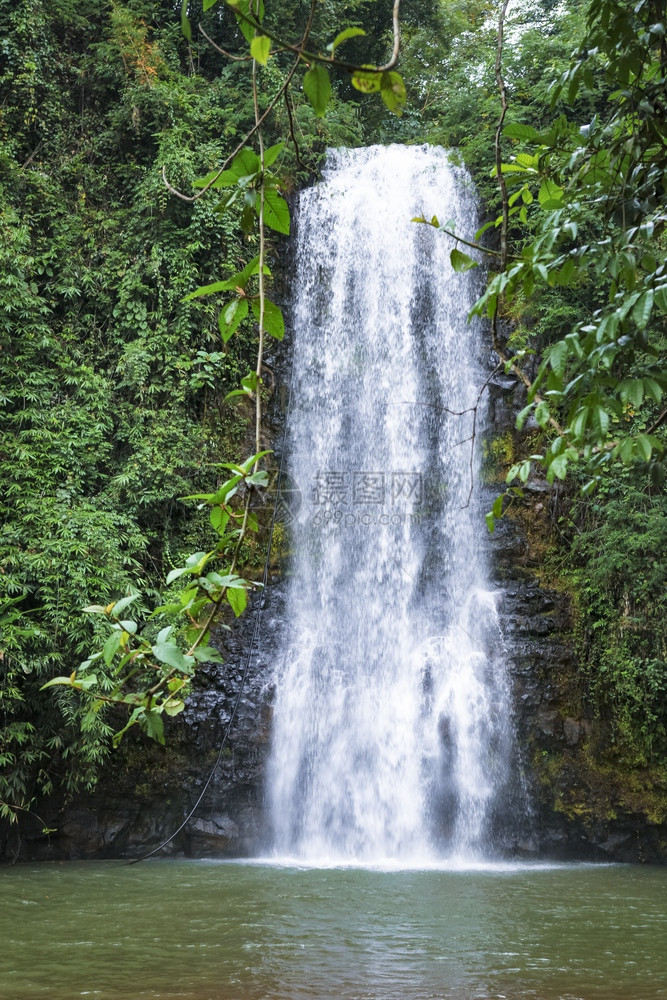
[{"x": 206, "y": 930}]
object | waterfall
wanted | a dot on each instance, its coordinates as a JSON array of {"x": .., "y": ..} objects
[{"x": 392, "y": 735}]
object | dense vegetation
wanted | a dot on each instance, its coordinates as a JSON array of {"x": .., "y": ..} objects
[{"x": 113, "y": 387}]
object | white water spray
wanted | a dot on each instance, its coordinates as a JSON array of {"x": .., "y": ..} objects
[{"x": 391, "y": 735}]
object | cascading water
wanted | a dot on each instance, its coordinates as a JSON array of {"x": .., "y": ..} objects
[{"x": 392, "y": 736}]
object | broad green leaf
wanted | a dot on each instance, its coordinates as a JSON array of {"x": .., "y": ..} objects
[
  {"x": 550, "y": 195},
  {"x": 111, "y": 646},
  {"x": 644, "y": 446},
  {"x": 317, "y": 88},
  {"x": 626, "y": 450},
  {"x": 245, "y": 163},
  {"x": 274, "y": 323},
  {"x": 393, "y": 93},
  {"x": 215, "y": 179},
  {"x": 238, "y": 600},
  {"x": 343, "y": 36},
  {"x": 169, "y": 653},
  {"x": 174, "y": 574},
  {"x": 272, "y": 153},
  {"x": 207, "y": 654},
  {"x": 260, "y": 478},
  {"x": 173, "y": 706},
  {"x": 601, "y": 420},
  {"x": 245, "y": 27},
  {"x": 542, "y": 413},
  {"x": 248, "y": 216},
  {"x": 524, "y": 132},
  {"x": 652, "y": 389},
  {"x": 524, "y": 471},
  {"x": 367, "y": 83},
  {"x": 557, "y": 468},
  {"x": 642, "y": 309},
  {"x": 57, "y": 680},
  {"x": 276, "y": 211},
  {"x": 231, "y": 316},
  {"x": 151, "y": 722},
  {"x": 219, "y": 518},
  {"x": 521, "y": 417},
  {"x": 122, "y": 604},
  {"x": 185, "y": 24},
  {"x": 260, "y": 48},
  {"x": 558, "y": 357},
  {"x": 461, "y": 261},
  {"x": 225, "y": 492},
  {"x": 490, "y": 521},
  {"x": 497, "y": 508}
]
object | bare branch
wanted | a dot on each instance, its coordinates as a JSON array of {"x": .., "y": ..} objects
[{"x": 223, "y": 52}]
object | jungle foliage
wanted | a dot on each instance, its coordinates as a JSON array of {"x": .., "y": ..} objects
[{"x": 117, "y": 374}]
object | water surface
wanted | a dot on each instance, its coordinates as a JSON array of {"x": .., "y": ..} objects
[{"x": 234, "y": 931}]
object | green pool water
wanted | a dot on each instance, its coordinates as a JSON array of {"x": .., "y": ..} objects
[{"x": 235, "y": 931}]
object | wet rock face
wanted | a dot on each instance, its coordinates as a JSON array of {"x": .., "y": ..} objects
[
  {"x": 579, "y": 811},
  {"x": 147, "y": 791},
  {"x": 582, "y": 810}
]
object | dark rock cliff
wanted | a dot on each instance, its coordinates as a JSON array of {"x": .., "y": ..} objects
[
  {"x": 583, "y": 807},
  {"x": 586, "y": 806}
]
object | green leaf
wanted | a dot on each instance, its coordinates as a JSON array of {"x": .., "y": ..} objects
[
  {"x": 542, "y": 413},
  {"x": 550, "y": 195},
  {"x": 642, "y": 309},
  {"x": 272, "y": 153},
  {"x": 524, "y": 471},
  {"x": 152, "y": 724},
  {"x": 644, "y": 446},
  {"x": 174, "y": 706},
  {"x": 497, "y": 508},
  {"x": 111, "y": 646},
  {"x": 342, "y": 37},
  {"x": 246, "y": 164},
  {"x": 169, "y": 653},
  {"x": 524, "y": 132},
  {"x": 122, "y": 604},
  {"x": 238, "y": 600},
  {"x": 558, "y": 357},
  {"x": 276, "y": 211},
  {"x": 67, "y": 681},
  {"x": 207, "y": 654},
  {"x": 274, "y": 323},
  {"x": 248, "y": 216},
  {"x": 260, "y": 48},
  {"x": 185, "y": 24},
  {"x": 557, "y": 468},
  {"x": 231, "y": 317},
  {"x": 260, "y": 478},
  {"x": 461, "y": 261},
  {"x": 317, "y": 88},
  {"x": 521, "y": 417},
  {"x": 393, "y": 93},
  {"x": 174, "y": 574},
  {"x": 219, "y": 518},
  {"x": 626, "y": 450},
  {"x": 490, "y": 521},
  {"x": 367, "y": 83}
]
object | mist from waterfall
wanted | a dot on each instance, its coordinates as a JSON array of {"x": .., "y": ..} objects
[{"x": 392, "y": 737}]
